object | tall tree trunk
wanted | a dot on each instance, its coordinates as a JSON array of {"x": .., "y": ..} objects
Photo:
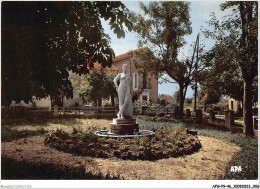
[
  {"x": 246, "y": 19},
  {"x": 181, "y": 100},
  {"x": 247, "y": 108},
  {"x": 113, "y": 99},
  {"x": 99, "y": 102}
]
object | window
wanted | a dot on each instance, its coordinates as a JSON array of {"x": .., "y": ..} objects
[
  {"x": 135, "y": 81},
  {"x": 232, "y": 105},
  {"x": 144, "y": 81}
]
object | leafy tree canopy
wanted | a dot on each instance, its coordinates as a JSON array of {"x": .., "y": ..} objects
[
  {"x": 230, "y": 62},
  {"x": 237, "y": 45},
  {"x": 209, "y": 96},
  {"x": 41, "y": 41},
  {"x": 97, "y": 85},
  {"x": 162, "y": 28}
]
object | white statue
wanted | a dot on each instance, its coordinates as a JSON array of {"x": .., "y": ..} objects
[{"x": 123, "y": 90}]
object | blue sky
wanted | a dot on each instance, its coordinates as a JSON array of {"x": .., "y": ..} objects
[{"x": 199, "y": 12}]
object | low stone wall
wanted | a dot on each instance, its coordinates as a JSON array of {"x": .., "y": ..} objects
[
  {"x": 217, "y": 122},
  {"x": 227, "y": 123}
]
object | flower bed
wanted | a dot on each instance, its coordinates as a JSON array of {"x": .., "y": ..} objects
[{"x": 165, "y": 144}]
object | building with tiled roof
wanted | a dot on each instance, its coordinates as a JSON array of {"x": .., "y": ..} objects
[
  {"x": 99, "y": 66},
  {"x": 168, "y": 97},
  {"x": 143, "y": 87}
]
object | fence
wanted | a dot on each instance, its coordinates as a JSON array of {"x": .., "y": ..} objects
[
  {"x": 153, "y": 110},
  {"x": 87, "y": 111},
  {"x": 224, "y": 119},
  {"x": 110, "y": 112},
  {"x": 229, "y": 122}
]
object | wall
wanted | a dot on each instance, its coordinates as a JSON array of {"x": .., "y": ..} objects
[
  {"x": 43, "y": 103},
  {"x": 46, "y": 102},
  {"x": 123, "y": 59},
  {"x": 237, "y": 105},
  {"x": 76, "y": 98},
  {"x": 132, "y": 69}
]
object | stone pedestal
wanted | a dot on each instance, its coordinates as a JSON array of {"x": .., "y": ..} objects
[{"x": 124, "y": 126}]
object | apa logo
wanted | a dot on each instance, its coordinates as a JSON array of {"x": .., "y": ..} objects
[{"x": 235, "y": 169}]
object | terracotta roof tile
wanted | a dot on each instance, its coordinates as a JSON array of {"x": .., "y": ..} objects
[
  {"x": 120, "y": 57},
  {"x": 98, "y": 66},
  {"x": 168, "y": 97},
  {"x": 116, "y": 59},
  {"x": 125, "y": 56}
]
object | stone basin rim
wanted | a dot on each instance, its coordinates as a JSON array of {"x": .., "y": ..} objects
[{"x": 141, "y": 133}]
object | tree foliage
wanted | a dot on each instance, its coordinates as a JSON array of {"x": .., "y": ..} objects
[
  {"x": 97, "y": 85},
  {"x": 235, "y": 54},
  {"x": 41, "y": 41},
  {"x": 162, "y": 28},
  {"x": 209, "y": 95}
]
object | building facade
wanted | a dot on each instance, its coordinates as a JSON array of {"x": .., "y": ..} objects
[
  {"x": 234, "y": 105},
  {"x": 143, "y": 87}
]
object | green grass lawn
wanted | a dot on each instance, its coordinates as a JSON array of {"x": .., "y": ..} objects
[{"x": 247, "y": 158}]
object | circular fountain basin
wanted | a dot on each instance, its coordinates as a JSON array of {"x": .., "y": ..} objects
[{"x": 141, "y": 133}]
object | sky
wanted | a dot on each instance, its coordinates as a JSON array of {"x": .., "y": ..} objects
[{"x": 200, "y": 13}]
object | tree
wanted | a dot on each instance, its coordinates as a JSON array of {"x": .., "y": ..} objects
[
  {"x": 97, "y": 85},
  {"x": 237, "y": 35},
  {"x": 162, "y": 28},
  {"x": 41, "y": 41},
  {"x": 221, "y": 76},
  {"x": 209, "y": 95}
]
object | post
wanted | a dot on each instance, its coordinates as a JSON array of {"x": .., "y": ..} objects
[
  {"x": 55, "y": 110},
  {"x": 196, "y": 47},
  {"x": 188, "y": 113},
  {"x": 229, "y": 118},
  {"x": 198, "y": 115},
  {"x": 176, "y": 111},
  {"x": 255, "y": 123},
  {"x": 211, "y": 116},
  {"x": 87, "y": 110}
]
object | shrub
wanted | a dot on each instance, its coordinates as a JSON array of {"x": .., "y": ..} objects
[{"x": 166, "y": 143}]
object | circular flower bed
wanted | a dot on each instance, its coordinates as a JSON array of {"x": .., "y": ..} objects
[{"x": 165, "y": 144}]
